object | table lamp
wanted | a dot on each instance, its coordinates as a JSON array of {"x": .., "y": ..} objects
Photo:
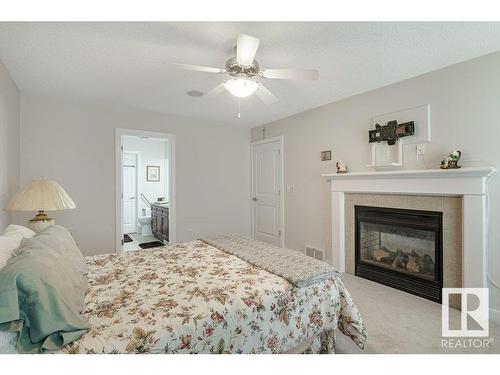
[{"x": 41, "y": 195}]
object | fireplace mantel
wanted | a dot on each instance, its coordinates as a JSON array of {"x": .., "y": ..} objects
[
  {"x": 417, "y": 173},
  {"x": 469, "y": 183},
  {"x": 462, "y": 181}
]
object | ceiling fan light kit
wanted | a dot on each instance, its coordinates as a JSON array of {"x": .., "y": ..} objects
[
  {"x": 245, "y": 72},
  {"x": 241, "y": 87}
]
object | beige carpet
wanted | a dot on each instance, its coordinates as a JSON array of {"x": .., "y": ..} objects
[{"x": 398, "y": 322}]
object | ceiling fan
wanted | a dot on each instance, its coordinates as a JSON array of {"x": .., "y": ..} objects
[{"x": 245, "y": 73}]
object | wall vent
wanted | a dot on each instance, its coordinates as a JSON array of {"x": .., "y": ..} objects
[{"x": 314, "y": 253}]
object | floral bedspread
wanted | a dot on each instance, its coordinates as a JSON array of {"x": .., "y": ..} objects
[{"x": 194, "y": 298}]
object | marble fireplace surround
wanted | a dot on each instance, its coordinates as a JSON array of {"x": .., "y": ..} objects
[{"x": 408, "y": 188}]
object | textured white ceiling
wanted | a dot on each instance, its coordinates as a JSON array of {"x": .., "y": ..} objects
[{"x": 127, "y": 63}]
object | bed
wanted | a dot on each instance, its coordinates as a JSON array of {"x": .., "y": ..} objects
[{"x": 196, "y": 298}]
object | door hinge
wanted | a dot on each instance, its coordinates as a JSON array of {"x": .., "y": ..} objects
[
  {"x": 279, "y": 192},
  {"x": 121, "y": 147},
  {"x": 122, "y": 242},
  {"x": 279, "y": 232}
]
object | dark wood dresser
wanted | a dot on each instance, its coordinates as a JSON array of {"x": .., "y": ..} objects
[{"x": 159, "y": 221}]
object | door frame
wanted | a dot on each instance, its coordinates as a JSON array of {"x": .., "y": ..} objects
[
  {"x": 118, "y": 182},
  {"x": 281, "y": 140},
  {"x": 137, "y": 192}
]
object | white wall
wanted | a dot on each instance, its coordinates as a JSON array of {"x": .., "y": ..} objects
[
  {"x": 9, "y": 142},
  {"x": 74, "y": 143},
  {"x": 465, "y": 115},
  {"x": 151, "y": 152}
]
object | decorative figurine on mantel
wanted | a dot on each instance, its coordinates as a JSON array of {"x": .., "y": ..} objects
[
  {"x": 451, "y": 161},
  {"x": 341, "y": 167}
]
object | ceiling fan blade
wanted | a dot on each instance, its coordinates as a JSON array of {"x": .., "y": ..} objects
[
  {"x": 246, "y": 48},
  {"x": 198, "y": 68},
  {"x": 217, "y": 90},
  {"x": 309, "y": 74},
  {"x": 265, "y": 95}
]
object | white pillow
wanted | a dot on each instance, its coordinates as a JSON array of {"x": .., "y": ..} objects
[
  {"x": 18, "y": 232},
  {"x": 8, "y": 341},
  {"x": 8, "y": 246}
]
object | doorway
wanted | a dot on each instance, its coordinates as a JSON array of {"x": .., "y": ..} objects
[
  {"x": 145, "y": 189},
  {"x": 267, "y": 191}
]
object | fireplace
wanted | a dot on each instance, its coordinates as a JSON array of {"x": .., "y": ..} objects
[{"x": 400, "y": 248}]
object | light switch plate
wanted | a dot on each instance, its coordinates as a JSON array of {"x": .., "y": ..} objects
[{"x": 420, "y": 148}]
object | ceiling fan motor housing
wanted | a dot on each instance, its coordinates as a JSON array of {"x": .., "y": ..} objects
[{"x": 234, "y": 69}]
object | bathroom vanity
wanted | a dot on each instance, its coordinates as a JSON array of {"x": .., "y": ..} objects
[{"x": 159, "y": 221}]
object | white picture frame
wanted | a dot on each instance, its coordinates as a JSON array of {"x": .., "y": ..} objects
[{"x": 153, "y": 173}]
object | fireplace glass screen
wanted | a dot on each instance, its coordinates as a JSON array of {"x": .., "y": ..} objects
[
  {"x": 406, "y": 250},
  {"x": 400, "y": 248}
]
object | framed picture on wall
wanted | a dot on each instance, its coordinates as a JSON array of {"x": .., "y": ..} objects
[
  {"x": 326, "y": 155},
  {"x": 153, "y": 173}
]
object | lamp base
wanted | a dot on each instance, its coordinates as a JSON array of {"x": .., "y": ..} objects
[
  {"x": 40, "y": 222},
  {"x": 40, "y": 216}
]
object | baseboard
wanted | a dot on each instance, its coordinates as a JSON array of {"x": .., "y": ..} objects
[{"x": 495, "y": 316}]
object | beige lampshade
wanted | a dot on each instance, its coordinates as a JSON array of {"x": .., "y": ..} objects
[{"x": 41, "y": 195}]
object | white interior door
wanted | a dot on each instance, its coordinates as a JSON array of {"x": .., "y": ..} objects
[
  {"x": 129, "y": 196},
  {"x": 267, "y": 181}
]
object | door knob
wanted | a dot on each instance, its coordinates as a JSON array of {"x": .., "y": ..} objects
[{"x": 254, "y": 199}]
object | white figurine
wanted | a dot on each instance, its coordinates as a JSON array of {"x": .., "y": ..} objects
[{"x": 341, "y": 167}]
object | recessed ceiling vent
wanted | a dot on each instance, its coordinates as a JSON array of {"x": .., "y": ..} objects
[{"x": 195, "y": 93}]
